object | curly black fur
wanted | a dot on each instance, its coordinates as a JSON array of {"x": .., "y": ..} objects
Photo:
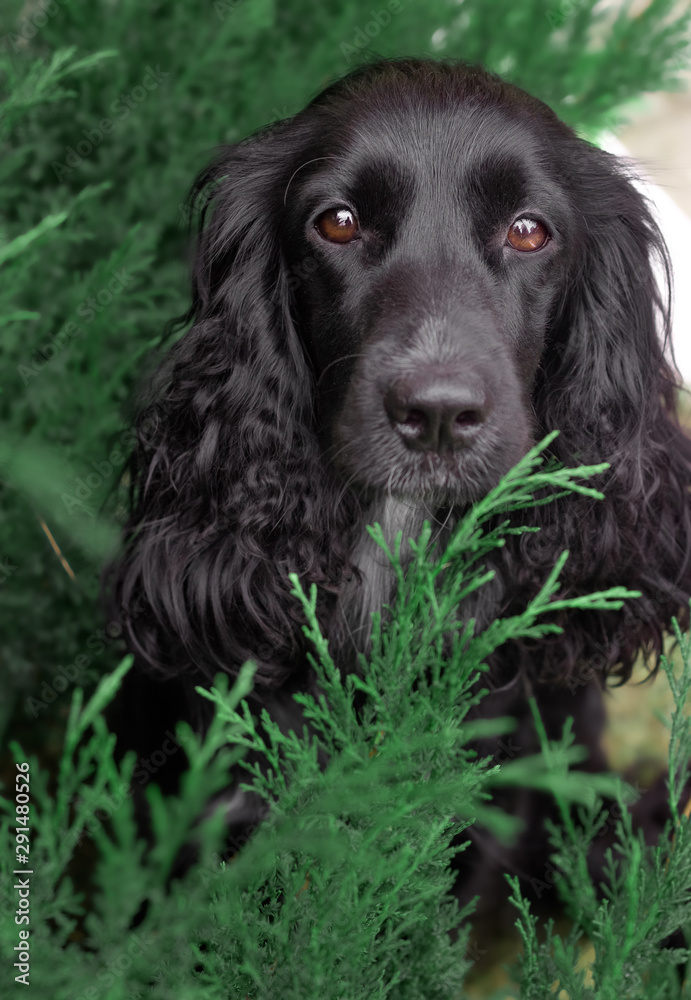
[{"x": 267, "y": 445}]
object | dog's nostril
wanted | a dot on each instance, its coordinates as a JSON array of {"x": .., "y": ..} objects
[
  {"x": 414, "y": 422},
  {"x": 468, "y": 418}
]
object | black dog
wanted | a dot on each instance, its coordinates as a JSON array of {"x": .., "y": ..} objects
[{"x": 395, "y": 293}]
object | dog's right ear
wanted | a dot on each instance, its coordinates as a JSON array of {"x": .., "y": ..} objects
[
  {"x": 608, "y": 386},
  {"x": 229, "y": 492}
]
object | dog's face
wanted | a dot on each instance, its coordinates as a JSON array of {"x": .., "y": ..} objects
[{"x": 437, "y": 235}]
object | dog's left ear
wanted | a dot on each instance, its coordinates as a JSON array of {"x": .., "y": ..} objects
[{"x": 609, "y": 389}]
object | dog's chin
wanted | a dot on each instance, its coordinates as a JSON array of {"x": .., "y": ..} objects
[
  {"x": 430, "y": 493},
  {"x": 432, "y": 482}
]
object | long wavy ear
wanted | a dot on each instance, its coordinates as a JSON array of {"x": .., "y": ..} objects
[
  {"x": 608, "y": 388},
  {"x": 229, "y": 492}
]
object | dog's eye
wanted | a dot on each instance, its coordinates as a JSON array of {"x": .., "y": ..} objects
[
  {"x": 527, "y": 234},
  {"x": 338, "y": 225}
]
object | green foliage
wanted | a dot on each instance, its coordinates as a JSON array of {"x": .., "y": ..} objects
[
  {"x": 646, "y": 890},
  {"x": 345, "y": 889},
  {"x": 107, "y": 110}
]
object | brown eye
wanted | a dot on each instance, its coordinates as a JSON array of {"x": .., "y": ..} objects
[
  {"x": 527, "y": 234},
  {"x": 338, "y": 225}
]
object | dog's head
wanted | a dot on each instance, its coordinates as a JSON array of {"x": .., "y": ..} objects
[{"x": 394, "y": 293}]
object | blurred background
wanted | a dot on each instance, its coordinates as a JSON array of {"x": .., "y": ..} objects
[
  {"x": 107, "y": 112},
  {"x": 658, "y": 135}
]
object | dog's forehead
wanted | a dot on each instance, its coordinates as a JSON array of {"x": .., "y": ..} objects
[{"x": 451, "y": 140}]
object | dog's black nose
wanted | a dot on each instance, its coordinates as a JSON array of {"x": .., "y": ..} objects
[{"x": 437, "y": 409}]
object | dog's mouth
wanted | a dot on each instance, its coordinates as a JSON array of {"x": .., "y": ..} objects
[
  {"x": 441, "y": 478},
  {"x": 429, "y": 478}
]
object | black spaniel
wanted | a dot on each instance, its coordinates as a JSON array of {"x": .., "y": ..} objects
[{"x": 395, "y": 293}]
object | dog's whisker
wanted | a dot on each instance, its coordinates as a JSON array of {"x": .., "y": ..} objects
[
  {"x": 298, "y": 169},
  {"x": 336, "y": 361}
]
